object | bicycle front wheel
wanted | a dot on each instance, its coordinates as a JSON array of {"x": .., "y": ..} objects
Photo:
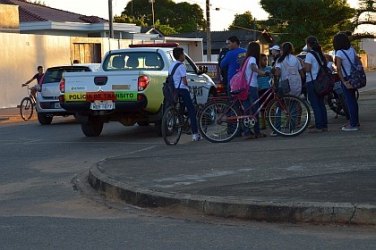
[
  {"x": 288, "y": 115},
  {"x": 218, "y": 122},
  {"x": 26, "y": 108},
  {"x": 172, "y": 123}
]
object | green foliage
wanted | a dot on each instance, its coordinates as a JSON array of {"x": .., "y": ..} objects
[
  {"x": 244, "y": 20},
  {"x": 165, "y": 29},
  {"x": 38, "y": 2},
  {"x": 297, "y": 19},
  {"x": 174, "y": 17}
]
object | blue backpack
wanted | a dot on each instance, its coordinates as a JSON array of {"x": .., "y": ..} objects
[{"x": 357, "y": 77}]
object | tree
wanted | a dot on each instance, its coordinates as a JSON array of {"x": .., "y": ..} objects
[
  {"x": 297, "y": 19},
  {"x": 38, "y": 2},
  {"x": 365, "y": 15},
  {"x": 244, "y": 20},
  {"x": 180, "y": 17}
]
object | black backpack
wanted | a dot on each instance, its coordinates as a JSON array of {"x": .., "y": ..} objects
[
  {"x": 324, "y": 82},
  {"x": 170, "y": 93}
]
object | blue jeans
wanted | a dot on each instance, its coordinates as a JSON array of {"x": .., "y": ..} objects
[
  {"x": 318, "y": 106},
  {"x": 352, "y": 105},
  {"x": 253, "y": 96},
  {"x": 184, "y": 93}
]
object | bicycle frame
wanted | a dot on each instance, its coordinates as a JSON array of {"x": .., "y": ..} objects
[{"x": 235, "y": 101}]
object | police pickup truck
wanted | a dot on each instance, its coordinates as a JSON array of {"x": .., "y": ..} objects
[{"x": 127, "y": 88}]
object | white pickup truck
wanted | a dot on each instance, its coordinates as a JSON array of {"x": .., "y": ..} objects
[{"x": 128, "y": 88}]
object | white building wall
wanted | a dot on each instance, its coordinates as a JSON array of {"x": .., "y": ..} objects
[
  {"x": 20, "y": 55},
  {"x": 369, "y": 46}
]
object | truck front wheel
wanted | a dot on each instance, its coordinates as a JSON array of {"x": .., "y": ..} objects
[{"x": 92, "y": 127}]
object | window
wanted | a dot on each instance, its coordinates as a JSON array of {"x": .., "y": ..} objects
[
  {"x": 55, "y": 74},
  {"x": 133, "y": 61},
  {"x": 87, "y": 52},
  {"x": 188, "y": 63}
]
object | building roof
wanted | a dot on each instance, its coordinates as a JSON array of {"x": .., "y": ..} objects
[{"x": 31, "y": 12}]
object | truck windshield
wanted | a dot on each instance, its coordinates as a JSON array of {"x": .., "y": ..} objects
[{"x": 133, "y": 61}]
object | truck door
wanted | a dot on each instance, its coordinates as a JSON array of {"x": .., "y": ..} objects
[{"x": 195, "y": 80}]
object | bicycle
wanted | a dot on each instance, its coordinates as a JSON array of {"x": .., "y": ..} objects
[
  {"x": 175, "y": 120},
  {"x": 27, "y": 106},
  {"x": 336, "y": 101},
  {"x": 220, "y": 120}
]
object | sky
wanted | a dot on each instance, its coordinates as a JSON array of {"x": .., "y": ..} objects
[{"x": 220, "y": 19}]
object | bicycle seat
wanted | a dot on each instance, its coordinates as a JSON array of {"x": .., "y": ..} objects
[{"x": 236, "y": 92}]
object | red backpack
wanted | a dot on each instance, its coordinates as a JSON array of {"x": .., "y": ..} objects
[{"x": 239, "y": 82}]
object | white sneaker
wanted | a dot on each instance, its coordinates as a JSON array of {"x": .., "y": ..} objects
[
  {"x": 349, "y": 128},
  {"x": 196, "y": 137},
  {"x": 273, "y": 134}
]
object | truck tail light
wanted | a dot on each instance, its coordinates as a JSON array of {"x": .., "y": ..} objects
[
  {"x": 143, "y": 82},
  {"x": 220, "y": 88},
  {"x": 62, "y": 85}
]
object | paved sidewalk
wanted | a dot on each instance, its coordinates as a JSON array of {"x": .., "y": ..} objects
[
  {"x": 12, "y": 115},
  {"x": 321, "y": 178}
]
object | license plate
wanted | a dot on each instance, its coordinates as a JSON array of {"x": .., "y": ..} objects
[
  {"x": 57, "y": 105},
  {"x": 102, "y": 105}
]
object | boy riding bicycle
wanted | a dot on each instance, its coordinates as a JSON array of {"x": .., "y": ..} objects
[
  {"x": 181, "y": 84},
  {"x": 38, "y": 76}
]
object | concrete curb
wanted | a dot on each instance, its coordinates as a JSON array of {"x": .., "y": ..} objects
[{"x": 261, "y": 210}]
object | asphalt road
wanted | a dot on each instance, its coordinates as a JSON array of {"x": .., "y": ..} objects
[{"x": 45, "y": 204}]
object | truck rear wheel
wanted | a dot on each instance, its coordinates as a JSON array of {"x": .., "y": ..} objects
[{"x": 92, "y": 127}]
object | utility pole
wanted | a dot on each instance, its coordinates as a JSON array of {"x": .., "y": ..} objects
[
  {"x": 152, "y": 11},
  {"x": 110, "y": 19},
  {"x": 208, "y": 33}
]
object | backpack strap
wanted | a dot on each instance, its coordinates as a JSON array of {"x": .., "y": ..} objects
[
  {"x": 173, "y": 72},
  {"x": 321, "y": 63},
  {"x": 348, "y": 58}
]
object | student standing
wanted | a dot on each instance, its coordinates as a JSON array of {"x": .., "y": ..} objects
[
  {"x": 264, "y": 83},
  {"x": 311, "y": 66},
  {"x": 344, "y": 52},
  {"x": 252, "y": 71},
  {"x": 233, "y": 59},
  {"x": 289, "y": 67}
]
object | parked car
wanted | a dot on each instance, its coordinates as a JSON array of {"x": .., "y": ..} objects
[
  {"x": 48, "y": 104},
  {"x": 214, "y": 72}
]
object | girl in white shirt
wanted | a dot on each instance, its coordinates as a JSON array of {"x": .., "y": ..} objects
[
  {"x": 343, "y": 49},
  {"x": 312, "y": 66},
  {"x": 252, "y": 71},
  {"x": 288, "y": 67}
]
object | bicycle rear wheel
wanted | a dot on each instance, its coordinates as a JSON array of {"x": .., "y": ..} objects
[
  {"x": 288, "y": 115},
  {"x": 336, "y": 104},
  {"x": 172, "y": 123},
  {"x": 218, "y": 122},
  {"x": 26, "y": 108}
]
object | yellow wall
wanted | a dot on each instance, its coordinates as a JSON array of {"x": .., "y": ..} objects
[
  {"x": 20, "y": 55},
  {"x": 9, "y": 18}
]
